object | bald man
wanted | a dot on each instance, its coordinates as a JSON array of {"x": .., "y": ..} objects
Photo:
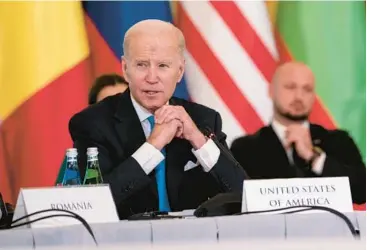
[
  {"x": 292, "y": 147},
  {"x": 151, "y": 148}
]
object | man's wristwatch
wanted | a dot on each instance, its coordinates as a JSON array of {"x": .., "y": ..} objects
[{"x": 316, "y": 153}]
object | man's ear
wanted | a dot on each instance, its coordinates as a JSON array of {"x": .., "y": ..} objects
[
  {"x": 181, "y": 70},
  {"x": 124, "y": 68}
]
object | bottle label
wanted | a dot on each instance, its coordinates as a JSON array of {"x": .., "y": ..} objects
[
  {"x": 71, "y": 175},
  {"x": 93, "y": 173}
]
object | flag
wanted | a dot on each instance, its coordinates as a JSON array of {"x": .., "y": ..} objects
[
  {"x": 234, "y": 47},
  {"x": 334, "y": 46},
  {"x": 230, "y": 67},
  {"x": 44, "y": 79},
  {"x": 107, "y": 23},
  {"x": 231, "y": 57}
]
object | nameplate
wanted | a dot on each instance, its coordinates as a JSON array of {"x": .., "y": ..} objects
[
  {"x": 333, "y": 192},
  {"x": 93, "y": 202}
]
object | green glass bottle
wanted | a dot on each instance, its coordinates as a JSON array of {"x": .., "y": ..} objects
[{"x": 92, "y": 173}]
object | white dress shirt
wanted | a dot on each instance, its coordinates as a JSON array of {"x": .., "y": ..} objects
[
  {"x": 280, "y": 130},
  {"x": 149, "y": 157}
]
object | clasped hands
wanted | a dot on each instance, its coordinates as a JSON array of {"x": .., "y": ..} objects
[
  {"x": 173, "y": 121},
  {"x": 300, "y": 137}
]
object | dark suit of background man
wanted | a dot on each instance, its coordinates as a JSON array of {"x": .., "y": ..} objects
[
  {"x": 292, "y": 147},
  {"x": 149, "y": 142}
]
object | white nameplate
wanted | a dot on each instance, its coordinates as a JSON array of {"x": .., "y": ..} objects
[
  {"x": 333, "y": 192},
  {"x": 93, "y": 202}
]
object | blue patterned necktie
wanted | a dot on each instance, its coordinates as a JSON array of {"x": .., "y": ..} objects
[{"x": 160, "y": 175}]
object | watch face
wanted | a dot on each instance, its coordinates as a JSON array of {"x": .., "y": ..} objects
[{"x": 317, "y": 150}]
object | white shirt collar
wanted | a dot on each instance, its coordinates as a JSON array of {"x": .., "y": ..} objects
[
  {"x": 280, "y": 129},
  {"x": 142, "y": 112}
]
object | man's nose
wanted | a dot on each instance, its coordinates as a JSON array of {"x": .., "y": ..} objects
[
  {"x": 299, "y": 93},
  {"x": 152, "y": 76}
]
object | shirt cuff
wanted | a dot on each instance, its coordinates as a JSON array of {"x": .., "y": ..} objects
[
  {"x": 318, "y": 165},
  {"x": 207, "y": 155},
  {"x": 148, "y": 157}
]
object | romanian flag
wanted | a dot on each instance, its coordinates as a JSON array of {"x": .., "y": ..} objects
[
  {"x": 44, "y": 80},
  {"x": 50, "y": 54}
]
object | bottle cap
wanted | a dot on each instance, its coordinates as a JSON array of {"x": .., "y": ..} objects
[
  {"x": 71, "y": 152},
  {"x": 92, "y": 151}
]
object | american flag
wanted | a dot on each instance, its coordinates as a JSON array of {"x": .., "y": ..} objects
[{"x": 232, "y": 54}]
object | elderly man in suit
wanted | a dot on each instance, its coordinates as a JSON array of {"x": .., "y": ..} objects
[{"x": 151, "y": 148}]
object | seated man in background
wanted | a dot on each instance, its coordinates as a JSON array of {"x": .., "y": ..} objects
[
  {"x": 151, "y": 150},
  {"x": 292, "y": 147},
  {"x": 106, "y": 85}
]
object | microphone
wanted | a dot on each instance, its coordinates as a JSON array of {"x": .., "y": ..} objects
[
  {"x": 154, "y": 215},
  {"x": 228, "y": 203},
  {"x": 210, "y": 134},
  {"x": 223, "y": 203}
]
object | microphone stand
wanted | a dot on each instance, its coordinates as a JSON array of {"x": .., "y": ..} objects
[{"x": 208, "y": 133}]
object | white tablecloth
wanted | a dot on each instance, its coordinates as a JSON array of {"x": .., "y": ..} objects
[{"x": 246, "y": 229}]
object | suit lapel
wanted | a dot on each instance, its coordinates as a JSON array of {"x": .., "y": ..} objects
[
  {"x": 317, "y": 135},
  {"x": 131, "y": 135},
  {"x": 127, "y": 125},
  {"x": 129, "y": 130}
]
